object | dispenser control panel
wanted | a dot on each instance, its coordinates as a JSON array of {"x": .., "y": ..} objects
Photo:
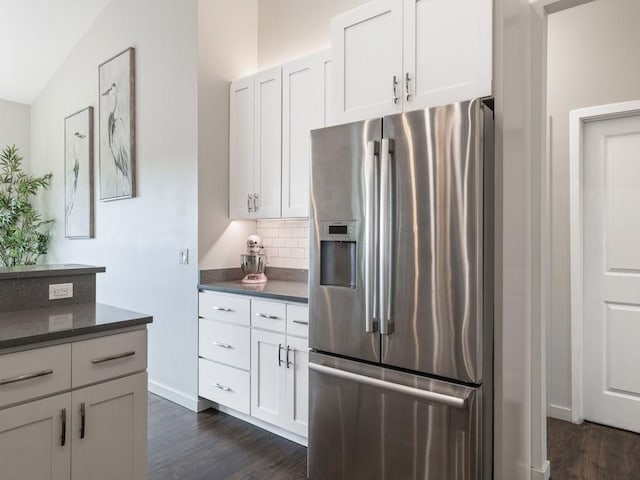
[{"x": 339, "y": 230}]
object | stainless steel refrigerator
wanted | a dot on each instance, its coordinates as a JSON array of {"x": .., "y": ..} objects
[{"x": 401, "y": 296}]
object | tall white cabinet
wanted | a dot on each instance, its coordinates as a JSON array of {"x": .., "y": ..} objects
[
  {"x": 305, "y": 100},
  {"x": 400, "y": 55},
  {"x": 271, "y": 115},
  {"x": 255, "y": 126}
]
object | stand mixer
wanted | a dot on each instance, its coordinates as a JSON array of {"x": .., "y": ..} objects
[{"x": 253, "y": 262}]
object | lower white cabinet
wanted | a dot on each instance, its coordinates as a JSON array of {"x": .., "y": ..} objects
[
  {"x": 280, "y": 380},
  {"x": 98, "y": 432},
  {"x": 268, "y": 381},
  {"x": 35, "y": 441}
]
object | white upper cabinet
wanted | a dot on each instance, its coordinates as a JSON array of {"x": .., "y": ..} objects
[
  {"x": 400, "y": 55},
  {"x": 447, "y": 51},
  {"x": 271, "y": 116},
  {"x": 303, "y": 109},
  {"x": 268, "y": 143},
  {"x": 366, "y": 46},
  {"x": 241, "y": 151},
  {"x": 255, "y": 149}
]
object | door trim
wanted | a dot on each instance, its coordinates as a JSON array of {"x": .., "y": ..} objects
[{"x": 577, "y": 120}]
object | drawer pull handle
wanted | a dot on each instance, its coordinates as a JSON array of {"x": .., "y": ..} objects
[
  {"x": 28, "y": 376},
  {"x": 270, "y": 317},
  {"x": 222, "y": 309},
  {"x": 279, "y": 357},
  {"x": 300, "y": 322},
  {"x": 113, "y": 357},
  {"x": 63, "y": 419},
  {"x": 222, "y": 387},
  {"x": 223, "y": 345}
]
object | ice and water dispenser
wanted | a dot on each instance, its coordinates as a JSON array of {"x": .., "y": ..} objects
[{"x": 338, "y": 254}]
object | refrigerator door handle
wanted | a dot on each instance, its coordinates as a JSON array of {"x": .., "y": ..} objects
[
  {"x": 385, "y": 240},
  {"x": 441, "y": 398},
  {"x": 370, "y": 240}
]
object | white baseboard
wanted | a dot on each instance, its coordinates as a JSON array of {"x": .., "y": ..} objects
[
  {"x": 174, "y": 395},
  {"x": 544, "y": 474},
  {"x": 561, "y": 413},
  {"x": 259, "y": 423}
]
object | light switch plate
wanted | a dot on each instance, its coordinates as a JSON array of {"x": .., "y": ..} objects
[{"x": 60, "y": 290}]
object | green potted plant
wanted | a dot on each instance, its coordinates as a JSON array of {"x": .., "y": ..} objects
[{"x": 23, "y": 233}]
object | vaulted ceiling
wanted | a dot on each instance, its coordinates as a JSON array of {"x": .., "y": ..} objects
[{"x": 36, "y": 36}]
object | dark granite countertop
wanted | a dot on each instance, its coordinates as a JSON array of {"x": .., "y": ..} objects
[
  {"x": 274, "y": 289},
  {"x": 26, "y": 327},
  {"x": 33, "y": 271}
]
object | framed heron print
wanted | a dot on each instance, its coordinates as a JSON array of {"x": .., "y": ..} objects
[
  {"x": 78, "y": 174},
  {"x": 117, "y": 126}
]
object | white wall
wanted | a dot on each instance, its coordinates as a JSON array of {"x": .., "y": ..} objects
[
  {"x": 592, "y": 60},
  {"x": 288, "y": 29},
  {"x": 227, "y": 49},
  {"x": 14, "y": 128},
  {"x": 138, "y": 240}
]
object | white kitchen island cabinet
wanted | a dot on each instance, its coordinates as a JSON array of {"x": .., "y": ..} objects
[
  {"x": 75, "y": 410},
  {"x": 35, "y": 440},
  {"x": 392, "y": 56}
]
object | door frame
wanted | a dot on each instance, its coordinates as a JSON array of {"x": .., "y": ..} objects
[{"x": 577, "y": 120}]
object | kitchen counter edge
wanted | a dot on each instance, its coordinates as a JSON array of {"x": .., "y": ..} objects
[{"x": 296, "y": 292}]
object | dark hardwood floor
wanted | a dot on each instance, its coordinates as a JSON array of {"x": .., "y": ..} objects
[
  {"x": 592, "y": 452},
  {"x": 214, "y": 446}
]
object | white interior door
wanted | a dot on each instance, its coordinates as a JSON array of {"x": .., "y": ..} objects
[{"x": 612, "y": 271}]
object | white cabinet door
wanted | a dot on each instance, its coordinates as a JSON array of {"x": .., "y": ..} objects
[
  {"x": 35, "y": 440},
  {"x": 302, "y": 111},
  {"x": 268, "y": 387},
  {"x": 268, "y": 143},
  {"x": 367, "y": 56},
  {"x": 327, "y": 79},
  {"x": 297, "y": 374},
  {"x": 109, "y": 430},
  {"x": 241, "y": 148},
  {"x": 447, "y": 51}
]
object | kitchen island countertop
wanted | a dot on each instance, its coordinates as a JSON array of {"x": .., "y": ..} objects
[{"x": 25, "y": 327}]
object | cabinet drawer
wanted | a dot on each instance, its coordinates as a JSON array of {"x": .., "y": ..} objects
[
  {"x": 108, "y": 357},
  {"x": 268, "y": 315},
  {"x": 298, "y": 320},
  {"x": 225, "y": 343},
  {"x": 225, "y": 308},
  {"x": 227, "y": 386},
  {"x": 34, "y": 373}
]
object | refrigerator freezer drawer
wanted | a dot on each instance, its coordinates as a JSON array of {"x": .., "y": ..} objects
[{"x": 375, "y": 423}]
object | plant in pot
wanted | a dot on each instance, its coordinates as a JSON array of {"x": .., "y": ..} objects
[{"x": 24, "y": 235}]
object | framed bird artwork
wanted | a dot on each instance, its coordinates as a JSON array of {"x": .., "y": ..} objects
[
  {"x": 78, "y": 174},
  {"x": 117, "y": 126}
]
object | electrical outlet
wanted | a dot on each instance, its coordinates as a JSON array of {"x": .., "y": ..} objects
[
  {"x": 60, "y": 290},
  {"x": 184, "y": 256}
]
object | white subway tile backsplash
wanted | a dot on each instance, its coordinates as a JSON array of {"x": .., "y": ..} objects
[{"x": 286, "y": 242}]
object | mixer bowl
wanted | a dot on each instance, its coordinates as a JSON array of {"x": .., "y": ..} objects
[{"x": 252, "y": 263}]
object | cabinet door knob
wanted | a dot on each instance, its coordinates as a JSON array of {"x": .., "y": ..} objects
[
  {"x": 249, "y": 203},
  {"x": 279, "y": 357},
  {"x": 256, "y": 202}
]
